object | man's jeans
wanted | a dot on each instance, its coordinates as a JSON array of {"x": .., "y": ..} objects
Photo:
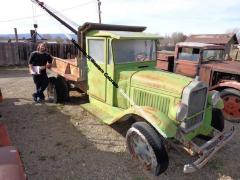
[{"x": 41, "y": 82}]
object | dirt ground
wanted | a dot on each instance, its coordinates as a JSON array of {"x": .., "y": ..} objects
[{"x": 66, "y": 142}]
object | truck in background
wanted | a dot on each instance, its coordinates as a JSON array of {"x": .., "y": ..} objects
[{"x": 208, "y": 62}]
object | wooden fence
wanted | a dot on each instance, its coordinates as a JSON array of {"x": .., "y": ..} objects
[{"x": 18, "y": 53}]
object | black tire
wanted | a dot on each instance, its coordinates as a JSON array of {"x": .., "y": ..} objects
[
  {"x": 154, "y": 145},
  {"x": 231, "y": 111},
  {"x": 64, "y": 88},
  {"x": 217, "y": 119},
  {"x": 54, "y": 91}
]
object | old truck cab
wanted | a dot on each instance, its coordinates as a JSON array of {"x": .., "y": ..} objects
[
  {"x": 189, "y": 57},
  {"x": 208, "y": 62},
  {"x": 122, "y": 55}
]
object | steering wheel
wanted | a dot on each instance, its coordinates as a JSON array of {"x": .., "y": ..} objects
[
  {"x": 211, "y": 57},
  {"x": 141, "y": 57}
]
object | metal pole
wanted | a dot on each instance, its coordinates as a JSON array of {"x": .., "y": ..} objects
[
  {"x": 16, "y": 34},
  {"x": 99, "y": 11}
]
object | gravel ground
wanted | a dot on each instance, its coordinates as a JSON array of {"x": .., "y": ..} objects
[{"x": 66, "y": 142}]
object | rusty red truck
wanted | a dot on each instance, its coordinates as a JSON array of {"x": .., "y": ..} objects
[{"x": 208, "y": 62}]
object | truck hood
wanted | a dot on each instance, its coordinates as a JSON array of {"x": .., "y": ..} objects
[
  {"x": 156, "y": 79},
  {"x": 232, "y": 67}
]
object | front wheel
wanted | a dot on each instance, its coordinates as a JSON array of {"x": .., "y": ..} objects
[
  {"x": 147, "y": 146},
  {"x": 231, "y": 99}
]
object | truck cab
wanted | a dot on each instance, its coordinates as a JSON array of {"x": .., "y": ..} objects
[
  {"x": 121, "y": 55},
  {"x": 191, "y": 58}
]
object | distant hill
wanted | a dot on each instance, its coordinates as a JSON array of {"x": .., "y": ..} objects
[{"x": 45, "y": 36}]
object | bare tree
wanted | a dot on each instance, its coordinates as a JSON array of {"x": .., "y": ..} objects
[
  {"x": 165, "y": 43},
  {"x": 168, "y": 42},
  {"x": 178, "y": 37},
  {"x": 235, "y": 30}
]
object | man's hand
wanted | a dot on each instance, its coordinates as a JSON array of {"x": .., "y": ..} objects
[
  {"x": 48, "y": 66},
  {"x": 30, "y": 68}
]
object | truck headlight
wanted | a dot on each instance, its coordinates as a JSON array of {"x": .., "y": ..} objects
[
  {"x": 181, "y": 112},
  {"x": 215, "y": 100}
]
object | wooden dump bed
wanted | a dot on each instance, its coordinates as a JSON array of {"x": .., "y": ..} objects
[{"x": 67, "y": 68}]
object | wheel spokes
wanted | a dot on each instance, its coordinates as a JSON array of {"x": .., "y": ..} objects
[
  {"x": 141, "y": 151},
  {"x": 232, "y": 106}
]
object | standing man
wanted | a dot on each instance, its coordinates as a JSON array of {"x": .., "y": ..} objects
[{"x": 38, "y": 62}]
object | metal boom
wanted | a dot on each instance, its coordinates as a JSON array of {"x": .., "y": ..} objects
[{"x": 41, "y": 4}]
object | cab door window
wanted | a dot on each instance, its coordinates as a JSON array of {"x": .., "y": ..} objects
[
  {"x": 96, "y": 49},
  {"x": 190, "y": 54}
]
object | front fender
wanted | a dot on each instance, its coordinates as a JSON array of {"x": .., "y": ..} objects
[
  {"x": 162, "y": 123},
  {"x": 226, "y": 84}
]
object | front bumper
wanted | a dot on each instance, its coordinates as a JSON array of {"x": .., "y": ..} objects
[{"x": 208, "y": 149}]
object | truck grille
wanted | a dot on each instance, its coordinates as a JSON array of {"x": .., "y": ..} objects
[
  {"x": 196, "y": 105},
  {"x": 143, "y": 98},
  {"x": 197, "y": 101}
]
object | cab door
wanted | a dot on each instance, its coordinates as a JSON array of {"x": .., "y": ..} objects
[
  {"x": 96, "y": 48},
  {"x": 205, "y": 73},
  {"x": 186, "y": 68}
]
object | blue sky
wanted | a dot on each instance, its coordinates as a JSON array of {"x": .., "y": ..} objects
[{"x": 162, "y": 17}]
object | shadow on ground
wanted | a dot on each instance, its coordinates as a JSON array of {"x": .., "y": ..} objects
[
  {"x": 52, "y": 147},
  {"x": 7, "y": 72}
]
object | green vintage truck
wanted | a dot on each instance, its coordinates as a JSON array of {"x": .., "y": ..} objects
[
  {"x": 163, "y": 106},
  {"x": 116, "y": 69}
]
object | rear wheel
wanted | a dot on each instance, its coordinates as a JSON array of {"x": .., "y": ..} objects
[
  {"x": 64, "y": 88},
  {"x": 231, "y": 98},
  {"x": 147, "y": 146},
  {"x": 53, "y": 90}
]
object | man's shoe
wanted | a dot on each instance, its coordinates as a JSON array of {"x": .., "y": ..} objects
[
  {"x": 39, "y": 100},
  {"x": 34, "y": 95},
  {"x": 41, "y": 96}
]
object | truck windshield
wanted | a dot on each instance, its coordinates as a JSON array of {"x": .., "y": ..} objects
[
  {"x": 186, "y": 53},
  {"x": 213, "y": 54},
  {"x": 126, "y": 51}
]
